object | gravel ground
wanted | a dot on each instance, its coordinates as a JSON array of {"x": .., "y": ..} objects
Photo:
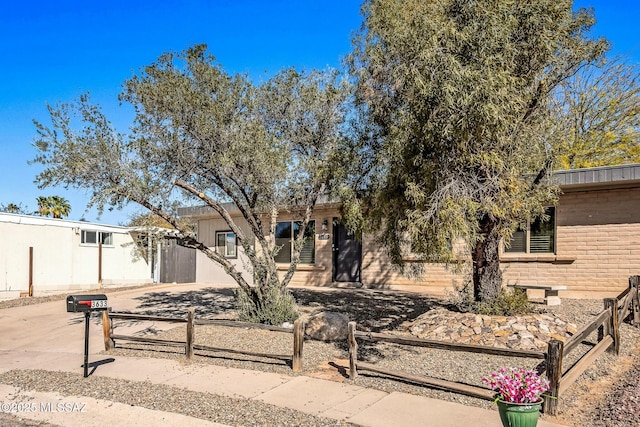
[
  {"x": 221, "y": 409},
  {"x": 621, "y": 403},
  {"x": 606, "y": 394},
  {"x": 10, "y": 420}
]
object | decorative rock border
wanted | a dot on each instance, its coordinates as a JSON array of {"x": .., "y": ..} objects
[{"x": 527, "y": 332}]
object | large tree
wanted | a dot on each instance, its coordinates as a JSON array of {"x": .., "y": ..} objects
[
  {"x": 456, "y": 95},
  {"x": 214, "y": 139},
  {"x": 598, "y": 116}
]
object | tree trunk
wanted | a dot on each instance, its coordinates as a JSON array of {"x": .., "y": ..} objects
[{"x": 487, "y": 276}]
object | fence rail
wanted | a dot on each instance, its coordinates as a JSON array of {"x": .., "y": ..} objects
[
  {"x": 607, "y": 323},
  {"x": 132, "y": 316},
  {"x": 584, "y": 332},
  {"x": 189, "y": 345},
  {"x": 469, "y": 390},
  {"x": 469, "y": 348}
]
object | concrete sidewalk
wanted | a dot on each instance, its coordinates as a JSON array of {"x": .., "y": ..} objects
[{"x": 339, "y": 401}]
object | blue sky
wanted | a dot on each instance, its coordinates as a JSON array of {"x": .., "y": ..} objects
[{"x": 53, "y": 51}]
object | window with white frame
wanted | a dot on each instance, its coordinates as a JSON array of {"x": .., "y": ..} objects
[
  {"x": 226, "y": 244},
  {"x": 286, "y": 233},
  {"x": 538, "y": 237},
  {"x": 90, "y": 237}
]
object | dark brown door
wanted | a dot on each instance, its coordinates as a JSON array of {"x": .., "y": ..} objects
[{"x": 347, "y": 255}]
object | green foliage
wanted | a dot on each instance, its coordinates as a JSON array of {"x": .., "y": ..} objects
[
  {"x": 14, "y": 208},
  {"x": 509, "y": 302},
  {"x": 274, "y": 308},
  {"x": 148, "y": 219},
  {"x": 598, "y": 114},
  {"x": 456, "y": 98},
  {"x": 56, "y": 206},
  {"x": 203, "y": 136}
]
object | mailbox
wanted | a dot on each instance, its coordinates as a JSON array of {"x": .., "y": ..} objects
[{"x": 86, "y": 303}]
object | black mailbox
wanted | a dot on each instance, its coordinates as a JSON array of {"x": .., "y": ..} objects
[{"x": 85, "y": 303}]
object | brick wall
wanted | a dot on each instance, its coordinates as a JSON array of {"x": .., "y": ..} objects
[
  {"x": 597, "y": 249},
  {"x": 378, "y": 272},
  {"x": 597, "y": 246}
]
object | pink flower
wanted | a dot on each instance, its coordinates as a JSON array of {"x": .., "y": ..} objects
[{"x": 517, "y": 385}]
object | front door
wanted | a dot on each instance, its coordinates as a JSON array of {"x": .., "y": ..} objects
[{"x": 347, "y": 254}]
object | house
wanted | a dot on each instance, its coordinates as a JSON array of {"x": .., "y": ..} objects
[
  {"x": 55, "y": 255},
  {"x": 590, "y": 244}
]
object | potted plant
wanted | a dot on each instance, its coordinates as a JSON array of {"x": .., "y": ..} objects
[{"x": 518, "y": 395}]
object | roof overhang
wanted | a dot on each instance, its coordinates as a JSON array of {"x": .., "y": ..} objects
[
  {"x": 599, "y": 178},
  {"x": 169, "y": 233}
]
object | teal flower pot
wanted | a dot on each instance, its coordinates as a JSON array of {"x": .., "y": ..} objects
[{"x": 519, "y": 414}]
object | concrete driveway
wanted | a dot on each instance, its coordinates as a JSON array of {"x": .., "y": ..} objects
[{"x": 46, "y": 330}]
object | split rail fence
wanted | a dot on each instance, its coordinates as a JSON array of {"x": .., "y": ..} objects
[
  {"x": 189, "y": 343},
  {"x": 607, "y": 323}
]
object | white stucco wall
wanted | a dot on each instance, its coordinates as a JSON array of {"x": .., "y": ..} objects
[{"x": 60, "y": 261}]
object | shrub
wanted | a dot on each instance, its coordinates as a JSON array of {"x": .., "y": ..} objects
[
  {"x": 461, "y": 297},
  {"x": 276, "y": 307},
  {"x": 508, "y": 303}
]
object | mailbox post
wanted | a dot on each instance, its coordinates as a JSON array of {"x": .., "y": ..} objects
[{"x": 86, "y": 304}]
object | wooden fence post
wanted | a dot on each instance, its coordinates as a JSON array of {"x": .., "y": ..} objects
[
  {"x": 605, "y": 328},
  {"x": 601, "y": 332},
  {"x": 353, "y": 351},
  {"x": 635, "y": 301},
  {"x": 613, "y": 328},
  {"x": 30, "y": 271},
  {"x": 298, "y": 343},
  {"x": 107, "y": 329},
  {"x": 190, "y": 332},
  {"x": 555, "y": 350}
]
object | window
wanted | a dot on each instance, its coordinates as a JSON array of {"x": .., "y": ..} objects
[
  {"x": 226, "y": 244},
  {"x": 106, "y": 238},
  {"x": 538, "y": 237},
  {"x": 286, "y": 232},
  {"x": 89, "y": 237},
  {"x": 93, "y": 237}
]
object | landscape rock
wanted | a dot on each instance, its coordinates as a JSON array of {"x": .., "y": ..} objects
[
  {"x": 531, "y": 332},
  {"x": 327, "y": 326}
]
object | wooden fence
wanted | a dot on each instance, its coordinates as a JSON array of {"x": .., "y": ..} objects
[
  {"x": 607, "y": 323},
  {"x": 189, "y": 345}
]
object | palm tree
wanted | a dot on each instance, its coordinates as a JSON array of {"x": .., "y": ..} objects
[
  {"x": 60, "y": 206},
  {"x": 13, "y": 208},
  {"x": 43, "y": 206},
  {"x": 56, "y": 206}
]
